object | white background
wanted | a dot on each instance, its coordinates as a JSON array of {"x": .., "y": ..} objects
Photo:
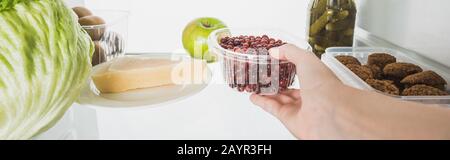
[
  {"x": 418, "y": 25},
  {"x": 157, "y": 25}
]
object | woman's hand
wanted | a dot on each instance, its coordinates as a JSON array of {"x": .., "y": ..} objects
[
  {"x": 325, "y": 108},
  {"x": 302, "y": 111}
]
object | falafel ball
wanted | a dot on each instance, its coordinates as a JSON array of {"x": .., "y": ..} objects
[
  {"x": 398, "y": 71},
  {"x": 423, "y": 90},
  {"x": 385, "y": 86},
  {"x": 376, "y": 71},
  {"x": 429, "y": 78},
  {"x": 346, "y": 60},
  {"x": 362, "y": 72},
  {"x": 381, "y": 59}
]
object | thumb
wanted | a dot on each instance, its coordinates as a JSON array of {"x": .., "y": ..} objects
[
  {"x": 310, "y": 70},
  {"x": 275, "y": 106}
]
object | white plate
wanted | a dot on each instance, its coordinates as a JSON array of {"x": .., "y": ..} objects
[{"x": 150, "y": 97}]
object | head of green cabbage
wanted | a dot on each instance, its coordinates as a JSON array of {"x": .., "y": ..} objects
[{"x": 44, "y": 63}]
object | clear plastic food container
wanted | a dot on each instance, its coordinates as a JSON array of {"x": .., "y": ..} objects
[
  {"x": 362, "y": 54},
  {"x": 110, "y": 38},
  {"x": 259, "y": 74}
]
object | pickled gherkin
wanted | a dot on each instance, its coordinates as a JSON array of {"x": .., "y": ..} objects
[{"x": 331, "y": 24}]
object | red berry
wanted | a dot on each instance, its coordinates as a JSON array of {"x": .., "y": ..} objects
[{"x": 250, "y": 76}]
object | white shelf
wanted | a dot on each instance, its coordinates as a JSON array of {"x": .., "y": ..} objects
[{"x": 217, "y": 112}]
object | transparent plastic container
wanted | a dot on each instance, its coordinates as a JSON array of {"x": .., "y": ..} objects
[
  {"x": 259, "y": 74},
  {"x": 362, "y": 54},
  {"x": 110, "y": 38}
]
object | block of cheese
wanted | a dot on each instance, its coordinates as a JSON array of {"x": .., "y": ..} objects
[{"x": 128, "y": 73}]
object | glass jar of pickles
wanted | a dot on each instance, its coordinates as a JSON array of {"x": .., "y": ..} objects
[{"x": 331, "y": 24}]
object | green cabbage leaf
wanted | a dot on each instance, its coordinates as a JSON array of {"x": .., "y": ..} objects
[{"x": 44, "y": 63}]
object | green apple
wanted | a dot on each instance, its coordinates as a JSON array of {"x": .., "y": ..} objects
[{"x": 195, "y": 37}]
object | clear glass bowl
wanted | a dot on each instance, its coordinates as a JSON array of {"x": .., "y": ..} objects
[
  {"x": 110, "y": 38},
  {"x": 259, "y": 74}
]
